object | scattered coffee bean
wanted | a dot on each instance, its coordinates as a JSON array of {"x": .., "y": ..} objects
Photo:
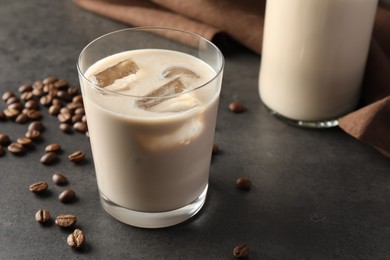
[
  {"x": 27, "y": 96},
  {"x": 65, "y": 117},
  {"x": 66, "y": 221},
  {"x": 6, "y": 95},
  {"x": 25, "y": 88},
  {"x": 11, "y": 113},
  {"x": 236, "y": 107},
  {"x": 24, "y": 141},
  {"x": 77, "y": 156},
  {"x": 73, "y": 105},
  {"x": 241, "y": 251},
  {"x": 38, "y": 92},
  {"x": 16, "y": 148},
  {"x": 53, "y": 148},
  {"x": 59, "y": 179},
  {"x": 61, "y": 84},
  {"x": 34, "y": 114},
  {"x": 76, "y": 239},
  {"x": 56, "y": 102},
  {"x": 49, "y": 158},
  {"x": 4, "y": 139},
  {"x": 33, "y": 134},
  {"x": 66, "y": 196},
  {"x": 66, "y": 128},
  {"x": 2, "y": 151},
  {"x": 73, "y": 90},
  {"x": 31, "y": 104},
  {"x": 45, "y": 100},
  {"x": 38, "y": 187},
  {"x": 22, "y": 119},
  {"x": 80, "y": 127},
  {"x": 77, "y": 99},
  {"x": 243, "y": 183},
  {"x": 49, "y": 80},
  {"x": 215, "y": 149},
  {"x": 17, "y": 105},
  {"x": 54, "y": 110},
  {"x": 36, "y": 125},
  {"x": 42, "y": 216},
  {"x": 12, "y": 100},
  {"x": 76, "y": 118}
]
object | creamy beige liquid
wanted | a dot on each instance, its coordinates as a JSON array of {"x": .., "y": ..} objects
[
  {"x": 146, "y": 160},
  {"x": 314, "y": 54}
]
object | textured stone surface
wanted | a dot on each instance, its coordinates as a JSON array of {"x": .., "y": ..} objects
[{"x": 314, "y": 195}]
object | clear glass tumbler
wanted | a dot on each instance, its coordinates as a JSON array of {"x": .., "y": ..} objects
[{"x": 151, "y": 105}]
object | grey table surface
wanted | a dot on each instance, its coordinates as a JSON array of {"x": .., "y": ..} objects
[{"x": 316, "y": 194}]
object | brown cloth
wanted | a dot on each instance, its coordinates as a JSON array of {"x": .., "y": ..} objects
[{"x": 243, "y": 22}]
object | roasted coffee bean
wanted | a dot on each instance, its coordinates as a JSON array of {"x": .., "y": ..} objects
[
  {"x": 6, "y": 95},
  {"x": 42, "y": 216},
  {"x": 61, "y": 84},
  {"x": 236, "y": 107},
  {"x": 73, "y": 105},
  {"x": 38, "y": 187},
  {"x": 24, "y": 141},
  {"x": 63, "y": 95},
  {"x": 79, "y": 111},
  {"x": 49, "y": 158},
  {"x": 57, "y": 102},
  {"x": 76, "y": 239},
  {"x": 73, "y": 90},
  {"x": 37, "y": 92},
  {"x": 48, "y": 88},
  {"x": 54, "y": 110},
  {"x": 22, "y": 119},
  {"x": 52, "y": 148},
  {"x": 12, "y": 100},
  {"x": 27, "y": 96},
  {"x": 31, "y": 104},
  {"x": 76, "y": 118},
  {"x": 17, "y": 105},
  {"x": 45, "y": 100},
  {"x": 66, "y": 128},
  {"x": 215, "y": 149},
  {"x": 49, "y": 80},
  {"x": 11, "y": 113},
  {"x": 77, "y": 99},
  {"x": 66, "y": 221},
  {"x": 66, "y": 196},
  {"x": 80, "y": 127},
  {"x": 4, "y": 139},
  {"x": 64, "y": 117},
  {"x": 2, "y": 151},
  {"x": 25, "y": 88},
  {"x": 241, "y": 251},
  {"x": 16, "y": 148},
  {"x": 36, "y": 125},
  {"x": 38, "y": 84},
  {"x": 33, "y": 134},
  {"x": 84, "y": 119},
  {"x": 77, "y": 156},
  {"x": 243, "y": 183},
  {"x": 34, "y": 114},
  {"x": 59, "y": 179}
]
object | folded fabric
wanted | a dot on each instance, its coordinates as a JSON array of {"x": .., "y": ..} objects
[{"x": 243, "y": 22}]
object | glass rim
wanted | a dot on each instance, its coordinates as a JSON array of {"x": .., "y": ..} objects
[{"x": 150, "y": 29}]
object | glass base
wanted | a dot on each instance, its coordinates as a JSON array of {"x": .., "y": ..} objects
[
  {"x": 308, "y": 124},
  {"x": 155, "y": 219}
]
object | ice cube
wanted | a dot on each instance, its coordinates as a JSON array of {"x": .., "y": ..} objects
[
  {"x": 178, "y": 72},
  {"x": 162, "y": 94},
  {"x": 177, "y": 104},
  {"x": 117, "y": 71}
]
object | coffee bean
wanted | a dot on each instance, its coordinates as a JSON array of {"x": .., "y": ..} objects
[
  {"x": 38, "y": 187},
  {"x": 66, "y": 196},
  {"x": 77, "y": 156},
  {"x": 38, "y": 84},
  {"x": 33, "y": 134},
  {"x": 42, "y": 216},
  {"x": 66, "y": 128},
  {"x": 52, "y": 148},
  {"x": 21, "y": 119},
  {"x": 49, "y": 79},
  {"x": 38, "y": 92},
  {"x": 76, "y": 239},
  {"x": 2, "y": 151},
  {"x": 65, "y": 117},
  {"x": 63, "y": 95},
  {"x": 59, "y": 179},
  {"x": 16, "y": 148},
  {"x": 80, "y": 127},
  {"x": 17, "y": 105},
  {"x": 241, "y": 251},
  {"x": 76, "y": 118},
  {"x": 45, "y": 100},
  {"x": 49, "y": 158},
  {"x": 215, "y": 149},
  {"x": 57, "y": 102},
  {"x": 73, "y": 105},
  {"x": 27, "y": 96},
  {"x": 54, "y": 110},
  {"x": 4, "y": 139},
  {"x": 236, "y": 107},
  {"x": 25, "y": 88},
  {"x": 84, "y": 119},
  {"x": 73, "y": 90},
  {"x": 36, "y": 125},
  {"x": 24, "y": 141},
  {"x": 6, "y": 95},
  {"x": 34, "y": 114},
  {"x": 61, "y": 84},
  {"x": 66, "y": 221},
  {"x": 31, "y": 104},
  {"x": 77, "y": 99},
  {"x": 79, "y": 111},
  {"x": 243, "y": 183},
  {"x": 12, "y": 100},
  {"x": 11, "y": 113}
]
